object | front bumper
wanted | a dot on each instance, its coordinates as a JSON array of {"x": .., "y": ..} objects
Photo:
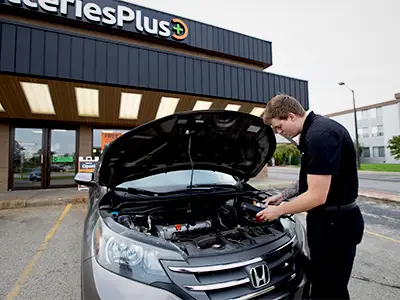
[
  {"x": 302, "y": 292},
  {"x": 99, "y": 283}
]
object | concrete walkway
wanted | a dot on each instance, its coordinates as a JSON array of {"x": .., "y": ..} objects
[
  {"x": 16, "y": 199},
  {"x": 267, "y": 184}
]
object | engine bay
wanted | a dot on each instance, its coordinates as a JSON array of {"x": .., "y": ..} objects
[{"x": 203, "y": 225}]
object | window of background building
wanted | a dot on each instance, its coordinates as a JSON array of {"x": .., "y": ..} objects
[
  {"x": 372, "y": 113},
  {"x": 375, "y": 112},
  {"x": 363, "y": 132},
  {"x": 365, "y": 114},
  {"x": 97, "y": 139},
  {"x": 366, "y": 152},
  {"x": 377, "y": 130},
  {"x": 380, "y": 130},
  {"x": 374, "y": 130},
  {"x": 378, "y": 151}
]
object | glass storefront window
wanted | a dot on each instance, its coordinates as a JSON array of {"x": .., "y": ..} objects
[
  {"x": 27, "y": 158},
  {"x": 62, "y": 157},
  {"x": 43, "y": 158},
  {"x": 98, "y": 143}
]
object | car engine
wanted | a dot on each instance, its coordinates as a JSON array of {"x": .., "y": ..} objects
[{"x": 199, "y": 227}]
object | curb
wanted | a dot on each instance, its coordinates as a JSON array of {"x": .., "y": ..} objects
[
  {"x": 271, "y": 185},
  {"x": 384, "y": 197},
  {"x": 21, "y": 203},
  {"x": 360, "y": 171},
  {"x": 263, "y": 186}
]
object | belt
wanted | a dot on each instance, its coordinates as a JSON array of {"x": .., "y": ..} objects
[{"x": 341, "y": 207}]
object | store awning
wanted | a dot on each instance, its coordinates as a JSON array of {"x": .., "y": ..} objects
[{"x": 43, "y": 99}]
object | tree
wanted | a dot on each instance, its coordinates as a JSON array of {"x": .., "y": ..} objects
[
  {"x": 394, "y": 146},
  {"x": 285, "y": 153},
  {"x": 360, "y": 148},
  {"x": 279, "y": 155}
]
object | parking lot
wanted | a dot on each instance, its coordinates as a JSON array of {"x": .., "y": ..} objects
[{"x": 40, "y": 252}]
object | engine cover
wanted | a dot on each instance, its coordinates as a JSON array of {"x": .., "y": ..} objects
[{"x": 166, "y": 232}]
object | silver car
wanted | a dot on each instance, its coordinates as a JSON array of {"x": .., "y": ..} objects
[{"x": 171, "y": 215}]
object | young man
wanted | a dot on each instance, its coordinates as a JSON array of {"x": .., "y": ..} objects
[{"x": 327, "y": 190}]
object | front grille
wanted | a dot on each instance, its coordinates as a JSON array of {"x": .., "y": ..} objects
[{"x": 232, "y": 280}]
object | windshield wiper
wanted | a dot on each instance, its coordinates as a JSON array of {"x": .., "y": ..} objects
[
  {"x": 135, "y": 191},
  {"x": 215, "y": 186},
  {"x": 141, "y": 192}
]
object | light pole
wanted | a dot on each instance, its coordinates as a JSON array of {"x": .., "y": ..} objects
[{"x": 355, "y": 124}]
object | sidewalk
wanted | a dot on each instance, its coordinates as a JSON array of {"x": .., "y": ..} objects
[
  {"x": 279, "y": 184},
  {"x": 16, "y": 199},
  {"x": 359, "y": 171}
]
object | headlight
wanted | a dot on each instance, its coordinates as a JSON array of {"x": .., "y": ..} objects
[
  {"x": 297, "y": 229},
  {"x": 128, "y": 257}
]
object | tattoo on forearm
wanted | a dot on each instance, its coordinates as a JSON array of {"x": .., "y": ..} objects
[{"x": 291, "y": 192}]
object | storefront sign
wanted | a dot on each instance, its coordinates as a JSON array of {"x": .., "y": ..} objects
[
  {"x": 86, "y": 165},
  {"x": 63, "y": 159},
  {"x": 125, "y": 17},
  {"x": 108, "y": 137}
]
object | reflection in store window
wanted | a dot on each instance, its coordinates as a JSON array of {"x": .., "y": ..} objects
[
  {"x": 27, "y": 154},
  {"x": 62, "y": 158},
  {"x": 97, "y": 139}
]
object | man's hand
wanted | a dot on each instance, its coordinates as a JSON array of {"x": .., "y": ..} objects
[
  {"x": 274, "y": 200},
  {"x": 318, "y": 188},
  {"x": 269, "y": 213}
]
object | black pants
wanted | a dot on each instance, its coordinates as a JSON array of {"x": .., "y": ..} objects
[{"x": 333, "y": 237}]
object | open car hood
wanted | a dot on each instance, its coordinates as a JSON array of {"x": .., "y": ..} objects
[{"x": 232, "y": 142}]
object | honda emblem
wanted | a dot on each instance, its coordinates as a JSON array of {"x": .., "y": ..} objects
[{"x": 259, "y": 276}]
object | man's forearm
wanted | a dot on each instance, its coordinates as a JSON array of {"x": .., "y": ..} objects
[
  {"x": 291, "y": 192},
  {"x": 302, "y": 203}
]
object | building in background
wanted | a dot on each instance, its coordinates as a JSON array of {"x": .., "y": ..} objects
[
  {"x": 377, "y": 124},
  {"x": 73, "y": 72}
]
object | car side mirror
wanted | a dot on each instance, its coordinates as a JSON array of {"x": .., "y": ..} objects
[{"x": 84, "y": 178}]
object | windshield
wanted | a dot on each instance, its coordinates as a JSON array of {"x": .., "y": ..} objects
[{"x": 178, "y": 180}]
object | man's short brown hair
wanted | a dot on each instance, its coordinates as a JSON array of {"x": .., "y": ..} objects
[{"x": 280, "y": 106}]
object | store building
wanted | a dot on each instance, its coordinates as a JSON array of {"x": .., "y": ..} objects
[
  {"x": 376, "y": 125},
  {"x": 72, "y": 69}
]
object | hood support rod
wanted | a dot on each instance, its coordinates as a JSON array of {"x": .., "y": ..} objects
[{"x": 191, "y": 160}]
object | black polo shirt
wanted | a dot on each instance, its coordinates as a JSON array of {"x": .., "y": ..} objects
[{"x": 327, "y": 149}]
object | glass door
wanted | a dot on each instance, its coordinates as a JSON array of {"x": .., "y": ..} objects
[
  {"x": 28, "y": 158},
  {"x": 62, "y": 158}
]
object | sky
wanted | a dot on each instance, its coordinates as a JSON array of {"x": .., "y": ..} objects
[{"x": 323, "y": 42}]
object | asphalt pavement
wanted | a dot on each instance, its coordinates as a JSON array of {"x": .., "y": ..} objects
[
  {"x": 40, "y": 252},
  {"x": 376, "y": 272},
  {"x": 387, "y": 182}
]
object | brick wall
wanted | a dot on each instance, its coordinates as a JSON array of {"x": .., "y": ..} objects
[
  {"x": 85, "y": 141},
  {"x": 4, "y": 156}
]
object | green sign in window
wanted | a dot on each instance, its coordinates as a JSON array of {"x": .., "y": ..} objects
[{"x": 63, "y": 159}]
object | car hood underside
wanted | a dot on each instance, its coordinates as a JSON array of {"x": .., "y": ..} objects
[{"x": 235, "y": 143}]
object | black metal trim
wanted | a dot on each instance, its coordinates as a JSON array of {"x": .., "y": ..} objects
[
  {"x": 201, "y": 37},
  {"x": 46, "y": 128},
  {"x": 252, "y": 84}
]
